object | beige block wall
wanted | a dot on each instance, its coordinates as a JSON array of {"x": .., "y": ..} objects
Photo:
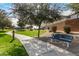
[
  {"x": 60, "y": 25},
  {"x": 73, "y": 23}
]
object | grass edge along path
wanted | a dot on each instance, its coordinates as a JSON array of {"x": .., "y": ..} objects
[
  {"x": 32, "y": 33},
  {"x": 11, "y": 49}
]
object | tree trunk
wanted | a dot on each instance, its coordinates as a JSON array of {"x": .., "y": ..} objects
[
  {"x": 31, "y": 28},
  {"x": 2, "y": 29},
  {"x": 39, "y": 31},
  {"x": 77, "y": 16},
  {"x": 13, "y": 36}
]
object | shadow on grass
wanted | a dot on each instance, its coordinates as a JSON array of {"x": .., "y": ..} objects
[
  {"x": 20, "y": 29},
  {"x": 2, "y": 35},
  {"x": 2, "y": 31},
  {"x": 17, "y": 51}
]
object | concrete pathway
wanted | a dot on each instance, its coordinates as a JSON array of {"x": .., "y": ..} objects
[
  {"x": 36, "y": 47},
  {"x": 46, "y": 34}
]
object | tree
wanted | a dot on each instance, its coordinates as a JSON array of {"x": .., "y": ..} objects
[
  {"x": 4, "y": 21},
  {"x": 45, "y": 13},
  {"x": 74, "y": 7},
  {"x": 37, "y": 13},
  {"x": 8, "y": 23},
  {"x": 20, "y": 11},
  {"x": 21, "y": 24}
]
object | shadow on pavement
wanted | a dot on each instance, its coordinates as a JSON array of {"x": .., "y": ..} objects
[{"x": 74, "y": 48}]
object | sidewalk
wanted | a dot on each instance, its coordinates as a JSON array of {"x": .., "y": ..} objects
[{"x": 36, "y": 47}]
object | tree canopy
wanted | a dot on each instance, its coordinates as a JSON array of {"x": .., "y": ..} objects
[
  {"x": 4, "y": 21},
  {"x": 36, "y": 13},
  {"x": 74, "y": 7}
]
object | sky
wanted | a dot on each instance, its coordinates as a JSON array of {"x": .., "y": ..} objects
[{"x": 7, "y": 7}]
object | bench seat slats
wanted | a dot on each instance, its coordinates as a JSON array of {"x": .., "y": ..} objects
[{"x": 62, "y": 37}]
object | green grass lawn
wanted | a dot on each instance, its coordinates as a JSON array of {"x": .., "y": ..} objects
[
  {"x": 10, "y": 49},
  {"x": 33, "y": 33}
]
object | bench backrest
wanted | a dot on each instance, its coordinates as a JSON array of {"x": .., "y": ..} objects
[{"x": 64, "y": 37}]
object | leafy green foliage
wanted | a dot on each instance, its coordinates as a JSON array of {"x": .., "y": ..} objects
[
  {"x": 54, "y": 29},
  {"x": 67, "y": 29},
  {"x": 21, "y": 24},
  {"x": 74, "y": 6},
  {"x": 4, "y": 21},
  {"x": 36, "y": 13}
]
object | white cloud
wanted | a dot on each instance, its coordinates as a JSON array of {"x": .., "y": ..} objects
[
  {"x": 14, "y": 21},
  {"x": 67, "y": 12}
]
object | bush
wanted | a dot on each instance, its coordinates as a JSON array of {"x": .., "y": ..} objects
[
  {"x": 15, "y": 50},
  {"x": 54, "y": 29},
  {"x": 67, "y": 29},
  {"x": 49, "y": 28}
]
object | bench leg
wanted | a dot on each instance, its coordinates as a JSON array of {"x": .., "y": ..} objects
[
  {"x": 68, "y": 44},
  {"x": 51, "y": 40}
]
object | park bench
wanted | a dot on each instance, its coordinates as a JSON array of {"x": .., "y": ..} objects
[{"x": 63, "y": 37}]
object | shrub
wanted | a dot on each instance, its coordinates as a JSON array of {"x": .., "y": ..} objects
[
  {"x": 67, "y": 29},
  {"x": 54, "y": 28},
  {"x": 16, "y": 51},
  {"x": 49, "y": 29}
]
